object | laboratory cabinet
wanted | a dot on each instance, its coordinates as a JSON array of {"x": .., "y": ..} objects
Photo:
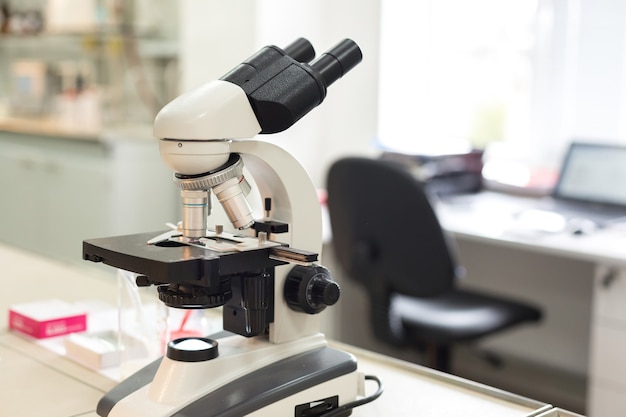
[
  {"x": 608, "y": 343},
  {"x": 57, "y": 191}
]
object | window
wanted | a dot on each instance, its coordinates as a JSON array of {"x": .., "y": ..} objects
[
  {"x": 532, "y": 75},
  {"x": 454, "y": 71}
]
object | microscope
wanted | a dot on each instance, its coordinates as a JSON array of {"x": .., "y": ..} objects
[{"x": 271, "y": 359}]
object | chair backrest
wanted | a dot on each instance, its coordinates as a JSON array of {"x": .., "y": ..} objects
[{"x": 385, "y": 232}]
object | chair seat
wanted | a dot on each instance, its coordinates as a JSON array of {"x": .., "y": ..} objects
[{"x": 457, "y": 316}]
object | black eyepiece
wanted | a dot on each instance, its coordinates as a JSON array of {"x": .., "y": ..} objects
[
  {"x": 300, "y": 50},
  {"x": 281, "y": 84},
  {"x": 337, "y": 61}
]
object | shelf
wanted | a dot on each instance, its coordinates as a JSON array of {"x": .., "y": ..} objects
[
  {"x": 49, "y": 127},
  {"x": 46, "y": 127},
  {"x": 55, "y": 43}
]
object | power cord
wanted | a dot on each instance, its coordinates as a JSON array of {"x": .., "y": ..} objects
[{"x": 357, "y": 403}]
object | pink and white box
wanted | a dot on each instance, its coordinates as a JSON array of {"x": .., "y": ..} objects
[{"x": 49, "y": 318}]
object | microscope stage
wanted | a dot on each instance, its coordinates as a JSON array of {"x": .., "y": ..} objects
[{"x": 171, "y": 261}]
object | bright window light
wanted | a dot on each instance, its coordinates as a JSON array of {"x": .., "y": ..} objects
[{"x": 455, "y": 70}]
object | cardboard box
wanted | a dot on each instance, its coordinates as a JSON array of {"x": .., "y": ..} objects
[{"x": 49, "y": 318}]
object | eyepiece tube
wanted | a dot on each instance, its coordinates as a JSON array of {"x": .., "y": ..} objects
[
  {"x": 337, "y": 61},
  {"x": 300, "y": 50}
]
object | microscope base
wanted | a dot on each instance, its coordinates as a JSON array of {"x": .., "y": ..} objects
[{"x": 320, "y": 377}]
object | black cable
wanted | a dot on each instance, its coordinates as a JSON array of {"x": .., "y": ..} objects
[{"x": 357, "y": 403}]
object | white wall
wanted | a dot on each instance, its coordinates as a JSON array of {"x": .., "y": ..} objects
[{"x": 217, "y": 35}]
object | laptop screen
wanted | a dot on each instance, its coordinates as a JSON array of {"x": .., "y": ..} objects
[{"x": 593, "y": 172}]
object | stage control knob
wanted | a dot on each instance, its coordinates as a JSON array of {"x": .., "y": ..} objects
[{"x": 310, "y": 289}]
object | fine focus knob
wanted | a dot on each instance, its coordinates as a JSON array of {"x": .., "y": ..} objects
[{"x": 310, "y": 289}]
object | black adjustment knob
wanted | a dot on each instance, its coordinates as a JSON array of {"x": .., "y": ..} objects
[
  {"x": 310, "y": 289},
  {"x": 189, "y": 296}
]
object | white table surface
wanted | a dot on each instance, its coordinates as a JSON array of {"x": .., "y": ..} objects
[
  {"x": 498, "y": 218},
  {"x": 35, "y": 381}
]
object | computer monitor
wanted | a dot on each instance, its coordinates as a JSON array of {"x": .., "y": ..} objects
[{"x": 593, "y": 172}]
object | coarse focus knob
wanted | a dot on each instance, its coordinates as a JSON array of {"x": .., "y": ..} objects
[{"x": 310, "y": 289}]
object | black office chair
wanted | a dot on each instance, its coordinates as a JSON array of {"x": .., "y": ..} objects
[{"x": 387, "y": 237}]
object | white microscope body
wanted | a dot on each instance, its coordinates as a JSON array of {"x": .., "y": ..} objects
[{"x": 276, "y": 361}]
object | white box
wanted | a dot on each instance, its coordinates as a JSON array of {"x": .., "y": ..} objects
[{"x": 102, "y": 350}]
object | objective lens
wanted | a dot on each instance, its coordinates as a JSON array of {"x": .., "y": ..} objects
[
  {"x": 195, "y": 212},
  {"x": 232, "y": 197}
]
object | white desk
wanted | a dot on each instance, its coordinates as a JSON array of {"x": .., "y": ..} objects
[
  {"x": 492, "y": 220},
  {"x": 36, "y": 382},
  {"x": 492, "y": 217}
]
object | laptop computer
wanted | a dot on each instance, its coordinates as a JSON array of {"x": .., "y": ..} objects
[{"x": 591, "y": 184}]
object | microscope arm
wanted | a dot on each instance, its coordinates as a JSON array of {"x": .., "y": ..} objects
[{"x": 281, "y": 177}]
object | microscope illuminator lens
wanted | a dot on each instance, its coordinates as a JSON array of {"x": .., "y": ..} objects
[{"x": 192, "y": 349}]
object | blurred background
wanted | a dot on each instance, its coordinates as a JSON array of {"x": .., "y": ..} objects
[
  {"x": 81, "y": 81},
  {"x": 517, "y": 79}
]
